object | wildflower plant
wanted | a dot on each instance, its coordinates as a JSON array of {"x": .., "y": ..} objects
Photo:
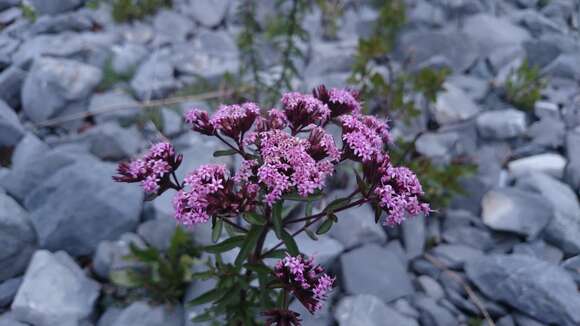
[{"x": 287, "y": 154}]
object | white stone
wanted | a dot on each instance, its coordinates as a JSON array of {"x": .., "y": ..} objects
[{"x": 549, "y": 163}]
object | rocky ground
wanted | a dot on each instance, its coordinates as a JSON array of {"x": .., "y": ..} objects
[{"x": 510, "y": 248}]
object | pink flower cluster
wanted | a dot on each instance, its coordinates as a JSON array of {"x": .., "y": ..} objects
[
  {"x": 364, "y": 136},
  {"x": 153, "y": 170},
  {"x": 304, "y": 110},
  {"x": 339, "y": 101},
  {"x": 231, "y": 120},
  {"x": 308, "y": 282}
]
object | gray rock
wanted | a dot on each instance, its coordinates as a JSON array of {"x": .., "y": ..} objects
[
  {"x": 59, "y": 214},
  {"x": 55, "y": 291},
  {"x": 208, "y": 13},
  {"x": 8, "y": 291},
  {"x": 475, "y": 87},
  {"x": 549, "y": 163},
  {"x": 565, "y": 66},
  {"x": 572, "y": 172},
  {"x": 414, "y": 236},
  {"x": 541, "y": 250},
  {"x": 564, "y": 228},
  {"x": 126, "y": 57},
  {"x": 430, "y": 287},
  {"x": 547, "y": 110},
  {"x": 453, "y": 105},
  {"x": 110, "y": 255},
  {"x": 101, "y": 107},
  {"x": 548, "y": 132},
  {"x": 491, "y": 32},
  {"x": 51, "y": 7},
  {"x": 537, "y": 23},
  {"x": 53, "y": 84},
  {"x": 455, "y": 256},
  {"x": 11, "y": 80},
  {"x": 331, "y": 57},
  {"x": 8, "y": 319},
  {"x": 501, "y": 124},
  {"x": 141, "y": 313},
  {"x": 11, "y": 131},
  {"x": 5, "y": 4},
  {"x": 439, "y": 146},
  {"x": 516, "y": 211},
  {"x": 154, "y": 78},
  {"x": 505, "y": 321},
  {"x": 196, "y": 289},
  {"x": 356, "y": 227},
  {"x": 109, "y": 141},
  {"x": 432, "y": 313},
  {"x": 8, "y": 46},
  {"x": 523, "y": 320},
  {"x": 466, "y": 235},
  {"x": 455, "y": 48},
  {"x": 368, "y": 310},
  {"x": 384, "y": 274},
  {"x": 191, "y": 60},
  {"x": 541, "y": 52},
  {"x": 158, "y": 232},
  {"x": 533, "y": 286},
  {"x": 171, "y": 27},
  {"x": 109, "y": 316},
  {"x": 325, "y": 249},
  {"x": 17, "y": 238},
  {"x": 404, "y": 307},
  {"x": 76, "y": 21}
]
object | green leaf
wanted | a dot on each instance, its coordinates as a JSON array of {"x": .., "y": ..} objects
[
  {"x": 337, "y": 203},
  {"x": 259, "y": 268},
  {"x": 325, "y": 226},
  {"x": 124, "y": 278},
  {"x": 225, "y": 152},
  {"x": 290, "y": 243},
  {"x": 226, "y": 245},
  {"x": 311, "y": 234},
  {"x": 296, "y": 197},
  {"x": 155, "y": 116},
  {"x": 254, "y": 218},
  {"x": 145, "y": 255},
  {"x": 216, "y": 232},
  {"x": 209, "y": 296},
  {"x": 277, "y": 218},
  {"x": 278, "y": 254},
  {"x": 308, "y": 208},
  {"x": 249, "y": 244}
]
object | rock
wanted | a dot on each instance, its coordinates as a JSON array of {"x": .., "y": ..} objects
[
  {"x": 470, "y": 236},
  {"x": 325, "y": 249},
  {"x": 541, "y": 52},
  {"x": 454, "y": 256},
  {"x": 368, "y": 310},
  {"x": 537, "y": 23},
  {"x": 383, "y": 275},
  {"x": 475, "y": 87},
  {"x": 541, "y": 250},
  {"x": 404, "y": 307},
  {"x": 7, "y": 319},
  {"x": 55, "y": 291},
  {"x": 455, "y": 48},
  {"x": 8, "y": 46},
  {"x": 501, "y": 124},
  {"x": 126, "y": 57},
  {"x": 548, "y": 132},
  {"x": 158, "y": 232},
  {"x": 414, "y": 237},
  {"x": 208, "y": 13},
  {"x": 331, "y": 57},
  {"x": 11, "y": 130},
  {"x": 100, "y": 107},
  {"x": 453, "y": 105},
  {"x": 565, "y": 66},
  {"x": 439, "y": 146},
  {"x": 572, "y": 172},
  {"x": 53, "y": 84},
  {"x": 432, "y": 313},
  {"x": 51, "y": 7},
  {"x": 564, "y": 227},
  {"x": 171, "y": 27},
  {"x": 523, "y": 320},
  {"x": 196, "y": 289},
  {"x": 141, "y": 313},
  {"x": 154, "y": 78},
  {"x": 430, "y": 287},
  {"x": 8, "y": 290},
  {"x": 549, "y": 163},
  {"x": 491, "y": 32},
  {"x": 5, "y": 4},
  {"x": 75, "y": 21},
  {"x": 505, "y": 321},
  {"x": 545, "y": 109},
  {"x": 109, "y": 316},
  {"x": 533, "y": 286},
  {"x": 109, "y": 141},
  {"x": 59, "y": 214},
  {"x": 516, "y": 211},
  {"x": 17, "y": 238},
  {"x": 356, "y": 227},
  {"x": 11, "y": 80},
  {"x": 191, "y": 60},
  {"x": 111, "y": 255}
]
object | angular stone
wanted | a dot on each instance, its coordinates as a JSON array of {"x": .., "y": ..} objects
[
  {"x": 455, "y": 256},
  {"x": 545, "y": 109},
  {"x": 11, "y": 130},
  {"x": 549, "y": 163},
  {"x": 109, "y": 141},
  {"x": 466, "y": 235},
  {"x": 368, "y": 310},
  {"x": 141, "y": 313},
  {"x": 52, "y": 84},
  {"x": 491, "y": 32},
  {"x": 325, "y": 249},
  {"x": 17, "y": 238},
  {"x": 101, "y": 105},
  {"x": 572, "y": 172},
  {"x": 59, "y": 214},
  {"x": 126, "y": 57},
  {"x": 541, "y": 250},
  {"x": 158, "y": 232},
  {"x": 171, "y": 27},
  {"x": 51, "y": 7},
  {"x": 11, "y": 80},
  {"x": 566, "y": 65},
  {"x": 8, "y": 291},
  {"x": 439, "y": 146},
  {"x": 383, "y": 275},
  {"x": 501, "y": 124},
  {"x": 55, "y": 291},
  {"x": 111, "y": 255},
  {"x": 431, "y": 287},
  {"x": 208, "y": 13},
  {"x": 533, "y": 286},
  {"x": 432, "y": 313},
  {"x": 74, "y": 21},
  {"x": 564, "y": 228},
  {"x": 155, "y": 78},
  {"x": 356, "y": 227},
  {"x": 516, "y": 211},
  {"x": 548, "y": 132},
  {"x": 453, "y": 105},
  {"x": 414, "y": 236}
]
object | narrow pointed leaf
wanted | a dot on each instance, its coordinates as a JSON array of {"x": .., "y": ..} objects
[
  {"x": 225, "y": 152},
  {"x": 290, "y": 243},
  {"x": 325, "y": 226},
  {"x": 226, "y": 245},
  {"x": 216, "y": 232}
]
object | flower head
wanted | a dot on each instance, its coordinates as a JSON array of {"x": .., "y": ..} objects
[
  {"x": 234, "y": 120},
  {"x": 364, "y": 136},
  {"x": 339, "y": 101},
  {"x": 276, "y": 120},
  {"x": 200, "y": 121},
  {"x": 153, "y": 170},
  {"x": 282, "y": 317},
  {"x": 308, "y": 282},
  {"x": 304, "y": 110}
]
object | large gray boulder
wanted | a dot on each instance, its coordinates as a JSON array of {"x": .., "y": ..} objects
[
  {"x": 384, "y": 274},
  {"x": 356, "y": 227},
  {"x": 11, "y": 80},
  {"x": 453, "y": 105},
  {"x": 154, "y": 78},
  {"x": 517, "y": 211},
  {"x": 11, "y": 130},
  {"x": 208, "y": 13},
  {"x": 51, "y": 7},
  {"x": 490, "y": 32},
  {"x": 79, "y": 206},
  {"x": 368, "y": 310},
  {"x": 501, "y": 124},
  {"x": 55, "y": 291},
  {"x": 141, "y": 313},
  {"x": 55, "y": 84},
  {"x": 17, "y": 238},
  {"x": 537, "y": 288}
]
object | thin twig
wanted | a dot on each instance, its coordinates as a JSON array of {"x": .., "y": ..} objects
[
  {"x": 239, "y": 227},
  {"x": 470, "y": 293}
]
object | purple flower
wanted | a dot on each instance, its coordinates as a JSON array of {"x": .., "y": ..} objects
[
  {"x": 282, "y": 317},
  {"x": 364, "y": 136},
  {"x": 322, "y": 145},
  {"x": 276, "y": 120},
  {"x": 200, "y": 121},
  {"x": 153, "y": 170},
  {"x": 304, "y": 110},
  {"x": 209, "y": 191},
  {"x": 234, "y": 120},
  {"x": 339, "y": 101},
  {"x": 308, "y": 282}
]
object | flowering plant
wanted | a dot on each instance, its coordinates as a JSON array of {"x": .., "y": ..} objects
[{"x": 286, "y": 154}]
